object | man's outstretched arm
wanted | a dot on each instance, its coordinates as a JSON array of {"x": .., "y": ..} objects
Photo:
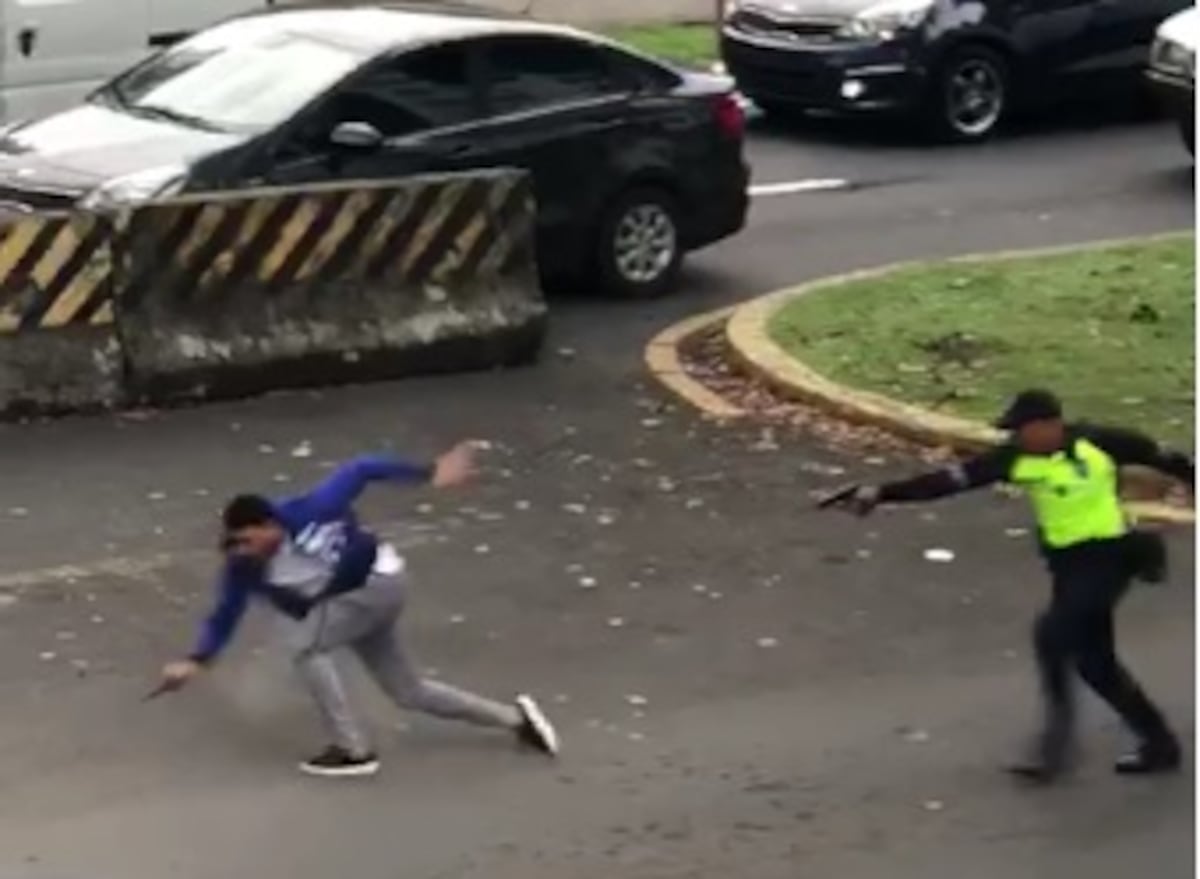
[
  {"x": 216, "y": 631},
  {"x": 339, "y": 492},
  {"x": 219, "y": 626}
]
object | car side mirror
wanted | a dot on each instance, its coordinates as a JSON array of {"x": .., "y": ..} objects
[{"x": 356, "y": 136}]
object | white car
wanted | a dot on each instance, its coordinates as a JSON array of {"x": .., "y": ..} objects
[{"x": 1172, "y": 71}]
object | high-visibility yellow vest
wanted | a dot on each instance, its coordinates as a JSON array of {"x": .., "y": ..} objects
[{"x": 1075, "y": 496}]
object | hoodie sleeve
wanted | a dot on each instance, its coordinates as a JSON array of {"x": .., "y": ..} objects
[
  {"x": 336, "y": 495},
  {"x": 233, "y": 595}
]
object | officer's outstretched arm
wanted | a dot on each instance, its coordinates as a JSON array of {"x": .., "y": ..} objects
[
  {"x": 1129, "y": 447},
  {"x": 982, "y": 470}
]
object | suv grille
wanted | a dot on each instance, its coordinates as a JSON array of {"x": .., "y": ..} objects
[{"x": 770, "y": 24}]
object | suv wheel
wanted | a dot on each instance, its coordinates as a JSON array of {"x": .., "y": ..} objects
[
  {"x": 970, "y": 95},
  {"x": 640, "y": 250}
]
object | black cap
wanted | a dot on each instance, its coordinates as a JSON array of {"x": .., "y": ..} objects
[{"x": 1029, "y": 406}]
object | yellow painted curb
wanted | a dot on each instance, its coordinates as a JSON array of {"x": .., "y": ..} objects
[
  {"x": 663, "y": 361},
  {"x": 753, "y": 348},
  {"x": 1166, "y": 514}
]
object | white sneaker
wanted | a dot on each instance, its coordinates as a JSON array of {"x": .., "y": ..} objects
[
  {"x": 335, "y": 762},
  {"x": 535, "y": 730}
]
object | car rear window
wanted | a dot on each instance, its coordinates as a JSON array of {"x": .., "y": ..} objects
[
  {"x": 646, "y": 74},
  {"x": 427, "y": 89},
  {"x": 529, "y": 73}
]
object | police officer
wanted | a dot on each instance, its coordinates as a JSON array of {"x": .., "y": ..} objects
[{"x": 1071, "y": 475}]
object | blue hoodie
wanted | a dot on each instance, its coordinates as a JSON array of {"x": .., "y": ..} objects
[{"x": 322, "y": 522}]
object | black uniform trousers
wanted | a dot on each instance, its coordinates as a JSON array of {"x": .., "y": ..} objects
[{"x": 1075, "y": 635}]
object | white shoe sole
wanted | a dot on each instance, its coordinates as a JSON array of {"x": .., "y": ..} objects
[
  {"x": 362, "y": 770},
  {"x": 545, "y": 730}
]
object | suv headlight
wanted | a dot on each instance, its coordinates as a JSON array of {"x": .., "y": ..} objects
[
  {"x": 135, "y": 188},
  {"x": 730, "y": 7},
  {"x": 1172, "y": 56},
  {"x": 887, "y": 19}
]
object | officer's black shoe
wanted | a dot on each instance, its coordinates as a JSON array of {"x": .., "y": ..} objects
[
  {"x": 1052, "y": 755},
  {"x": 1038, "y": 773},
  {"x": 1151, "y": 758}
]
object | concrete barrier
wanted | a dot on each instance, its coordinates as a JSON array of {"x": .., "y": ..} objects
[
  {"x": 58, "y": 346},
  {"x": 235, "y": 293},
  {"x": 249, "y": 291}
]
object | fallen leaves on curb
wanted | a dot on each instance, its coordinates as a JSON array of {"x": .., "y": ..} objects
[{"x": 705, "y": 358}]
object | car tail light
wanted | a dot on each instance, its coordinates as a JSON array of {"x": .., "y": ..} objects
[{"x": 730, "y": 118}]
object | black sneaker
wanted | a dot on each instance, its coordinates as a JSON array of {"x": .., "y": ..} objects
[
  {"x": 336, "y": 762},
  {"x": 1036, "y": 772},
  {"x": 1045, "y": 766},
  {"x": 1150, "y": 759},
  {"x": 1051, "y": 755},
  {"x": 535, "y": 730}
]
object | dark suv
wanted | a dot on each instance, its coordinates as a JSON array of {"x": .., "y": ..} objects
[{"x": 959, "y": 65}]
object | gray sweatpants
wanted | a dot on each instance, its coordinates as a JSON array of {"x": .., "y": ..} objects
[{"x": 365, "y": 621}]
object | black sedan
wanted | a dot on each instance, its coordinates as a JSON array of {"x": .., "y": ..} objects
[
  {"x": 634, "y": 163},
  {"x": 960, "y": 66}
]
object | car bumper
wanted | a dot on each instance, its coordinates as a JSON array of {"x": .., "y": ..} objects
[
  {"x": 1176, "y": 93},
  {"x": 851, "y": 79},
  {"x": 718, "y": 212}
]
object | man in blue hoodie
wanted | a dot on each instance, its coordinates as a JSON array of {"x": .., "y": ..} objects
[{"x": 309, "y": 559}]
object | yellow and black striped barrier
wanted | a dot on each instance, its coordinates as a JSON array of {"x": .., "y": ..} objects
[
  {"x": 249, "y": 290},
  {"x": 246, "y": 291},
  {"x": 441, "y": 231},
  {"x": 55, "y": 271}
]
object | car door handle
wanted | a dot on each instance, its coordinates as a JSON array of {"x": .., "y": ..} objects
[
  {"x": 598, "y": 127},
  {"x": 27, "y": 39},
  {"x": 458, "y": 151}
]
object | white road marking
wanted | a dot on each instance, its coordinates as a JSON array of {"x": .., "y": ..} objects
[
  {"x": 126, "y": 568},
  {"x": 792, "y": 187}
]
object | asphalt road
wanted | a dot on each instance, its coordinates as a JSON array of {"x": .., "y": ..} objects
[{"x": 746, "y": 688}]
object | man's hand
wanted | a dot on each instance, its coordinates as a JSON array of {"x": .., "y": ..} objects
[
  {"x": 858, "y": 499},
  {"x": 456, "y": 466},
  {"x": 176, "y": 675}
]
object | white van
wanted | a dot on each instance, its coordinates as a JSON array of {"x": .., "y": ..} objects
[{"x": 53, "y": 52}]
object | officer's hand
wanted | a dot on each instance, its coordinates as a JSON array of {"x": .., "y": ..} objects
[
  {"x": 858, "y": 499},
  {"x": 864, "y": 500},
  {"x": 456, "y": 466}
]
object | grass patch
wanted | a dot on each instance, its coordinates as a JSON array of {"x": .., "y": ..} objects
[
  {"x": 691, "y": 45},
  {"x": 1112, "y": 331}
]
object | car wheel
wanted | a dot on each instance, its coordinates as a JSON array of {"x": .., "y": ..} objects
[
  {"x": 640, "y": 247},
  {"x": 970, "y": 95}
]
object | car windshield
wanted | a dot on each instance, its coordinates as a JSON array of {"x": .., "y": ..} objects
[{"x": 243, "y": 76}]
